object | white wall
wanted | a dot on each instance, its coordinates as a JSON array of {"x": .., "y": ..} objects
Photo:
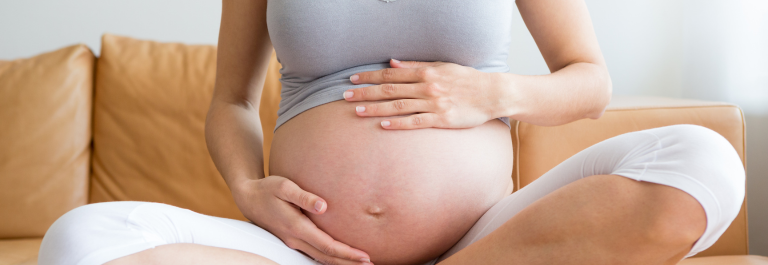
[
  {"x": 712, "y": 49},
  {"x": 29, "y": 27}
]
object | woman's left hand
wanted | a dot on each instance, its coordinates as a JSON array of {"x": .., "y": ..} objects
[{"x": 433, "y": 94}]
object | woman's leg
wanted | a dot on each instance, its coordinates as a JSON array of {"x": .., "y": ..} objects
[
  {"x": 143, "y": 233},
  {"x": 651, "y": 197},
  {"x": 191, "y": 254}
]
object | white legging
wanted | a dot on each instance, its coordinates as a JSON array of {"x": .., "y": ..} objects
[{"x": 691, "y": 158}]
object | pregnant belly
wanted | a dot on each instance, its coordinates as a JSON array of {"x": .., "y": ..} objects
[{"x": 404, "y": 197}]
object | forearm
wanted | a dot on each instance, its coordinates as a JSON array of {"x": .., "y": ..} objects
[
  {"x": 577, "y": 91},
  {"x": 234, "y": 137}
]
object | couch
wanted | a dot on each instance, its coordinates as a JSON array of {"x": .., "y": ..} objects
[{"x": 76, "y": 129}]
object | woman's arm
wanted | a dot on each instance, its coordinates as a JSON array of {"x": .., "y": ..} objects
[
  {"x": 233, "y": 129},
  {"x": 234, "y": 136},
  {"x": 579, "y": 85},
  {"x": 447, "y": 95}
]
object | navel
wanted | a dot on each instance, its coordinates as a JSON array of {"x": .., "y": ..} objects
[{"x": 375, "y": 211}]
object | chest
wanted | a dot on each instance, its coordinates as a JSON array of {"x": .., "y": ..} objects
[{"x": 313, "y": 38}]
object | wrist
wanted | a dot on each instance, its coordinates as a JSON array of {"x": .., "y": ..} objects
[
  {"x": 241, "y": 185},
  {"x": 503, "y": 98}
]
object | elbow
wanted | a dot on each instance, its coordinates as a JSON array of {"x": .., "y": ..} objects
[
  {"x": 208, "y": 127},
  {"x": 604, "y": 93}
]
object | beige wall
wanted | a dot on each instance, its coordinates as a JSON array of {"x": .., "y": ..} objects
[{"x": 712, "y": 50}]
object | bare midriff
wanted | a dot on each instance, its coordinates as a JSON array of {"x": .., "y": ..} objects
[{"x": 403, "y": 197}]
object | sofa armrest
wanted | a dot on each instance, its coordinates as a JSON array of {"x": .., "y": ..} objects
[{"x": 538, "y": 148}]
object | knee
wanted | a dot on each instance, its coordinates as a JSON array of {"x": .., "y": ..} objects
[
  {"x": 61, "y": 242},
  {"x": 74, "y": 230},
  {"x": 697, "y": 138},
  {"x": 689, "y": 134},
  {"x": 704, "y": 154},
  {"x": 73, "y": 222}
]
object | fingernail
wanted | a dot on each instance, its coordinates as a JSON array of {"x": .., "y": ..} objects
[
  {"x": 354, "y": 78},
  {"x": 385, "y": 123},
  {"x": 395, "y": 60},
  {"x": 366, "y": 260},
  {"x": 319, "y": 205},
  {"x": 360, "y": 109},
  {"x": 349, "y": 94}
]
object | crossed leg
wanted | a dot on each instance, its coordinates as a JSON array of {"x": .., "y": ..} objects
[{"x": 649, "y": 197}]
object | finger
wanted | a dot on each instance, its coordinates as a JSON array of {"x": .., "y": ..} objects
[
  {"x": 411, "y": 64},
  {"x": 323, "y": 242},
  {"x": 319, "y": 256},
  {"x": 304, "y": 230},
  {"x": 416, "y": 121},
  {"x": 388, "y": 75},
  {"x": 385, "y": 91},
  {"x": 395, "y": 107},
  {"x": 290, "y": 192}
]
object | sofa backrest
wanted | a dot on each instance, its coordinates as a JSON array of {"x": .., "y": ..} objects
[
  {"x": 150, "y": 105},
  {"x": 45, "y": 138}
]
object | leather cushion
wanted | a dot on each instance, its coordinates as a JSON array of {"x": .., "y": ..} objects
[
  {"x": 149, "y": 117},
  {"x": 45, "y": 138},
  {"x": 539, "y": 148},
  {"x": 150, "y": 104},
  {"x": 19, "y": 251}
]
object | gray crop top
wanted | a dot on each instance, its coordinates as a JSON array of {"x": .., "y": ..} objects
[{"x": 321, "y": 43}]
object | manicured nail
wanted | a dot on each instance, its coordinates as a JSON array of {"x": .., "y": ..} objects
[
  {"x": 396, "y": 61},
  {"x": 319, "y": 205},
  {"x": 349, "y": 94},
  {"x": 385, "y": 123},
  {"x": 354, "y": 78},
  {"x": 360, "y": 109}
]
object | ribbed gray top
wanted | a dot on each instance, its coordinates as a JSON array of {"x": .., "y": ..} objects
[{"x": 321, "y": 43}]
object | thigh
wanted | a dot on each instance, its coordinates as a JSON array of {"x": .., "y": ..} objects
[
  {"x": 168, "y": 225},
  {"x": 97, "y": 233},
  {"x": 690, "y": 158}
]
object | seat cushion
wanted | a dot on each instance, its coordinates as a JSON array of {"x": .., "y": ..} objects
[
  {"x": 19, "y": 251},
  {"x": 727, "y": 260},
  {"x": 45, "y": 138},
  {"x": 540, "y": 148}
]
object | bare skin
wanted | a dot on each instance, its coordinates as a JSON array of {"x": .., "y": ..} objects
[
  {"x": 604, "y": 219},
  {"x": 191, "y": 254},
  {"x": 391, "y": 193},
  {"x": 598, "y": 220}
]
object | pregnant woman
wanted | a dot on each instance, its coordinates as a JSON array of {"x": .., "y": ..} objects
[{"x": 377, "y": 160}]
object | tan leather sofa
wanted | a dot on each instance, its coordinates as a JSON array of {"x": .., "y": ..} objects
[{"x": 75, "y": 129}]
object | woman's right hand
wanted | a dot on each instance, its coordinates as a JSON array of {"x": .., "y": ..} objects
[{"x": 274, "y": 203}]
